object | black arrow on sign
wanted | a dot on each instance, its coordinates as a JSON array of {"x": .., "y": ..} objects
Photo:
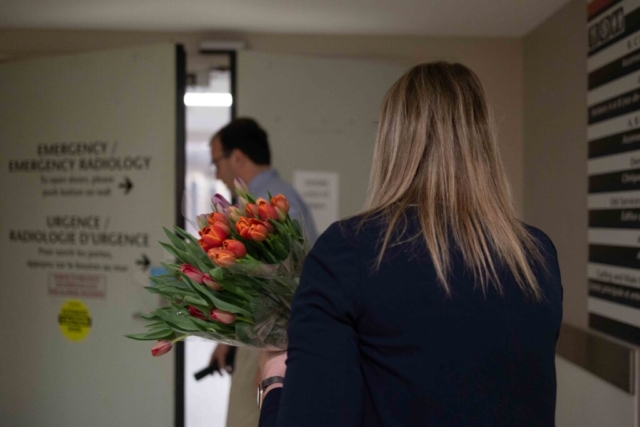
[
  {"x": 144, "y": 262},
  {"x": 127, "y": 185}
]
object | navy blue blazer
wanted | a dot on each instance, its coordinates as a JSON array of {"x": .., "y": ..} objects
[{"x": 389, "y": 348}]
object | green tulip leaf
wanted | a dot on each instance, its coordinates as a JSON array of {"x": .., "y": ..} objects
[
  {"x": 151, "y": 335},
  {"x": 175, "y": 240}
]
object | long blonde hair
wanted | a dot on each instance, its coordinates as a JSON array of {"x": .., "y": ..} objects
[{"x": 436, "y": 148}]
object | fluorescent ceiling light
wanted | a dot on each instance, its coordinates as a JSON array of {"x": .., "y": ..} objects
[{"x": 208, "y": 99}]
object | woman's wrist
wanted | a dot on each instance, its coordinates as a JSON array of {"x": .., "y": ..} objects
[
  {"x": 271, "y": 387},
  {"x": 266, "y": 386}
]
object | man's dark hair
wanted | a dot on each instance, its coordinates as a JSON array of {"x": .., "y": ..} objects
[{"x": 247, "y": 136}]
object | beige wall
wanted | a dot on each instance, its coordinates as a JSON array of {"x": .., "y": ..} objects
[
  {"x": 555, "y": 156},
  {"x": 498, "y": 62}
]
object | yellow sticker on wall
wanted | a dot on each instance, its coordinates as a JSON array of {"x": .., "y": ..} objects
[{"x": 74, "y": 320}]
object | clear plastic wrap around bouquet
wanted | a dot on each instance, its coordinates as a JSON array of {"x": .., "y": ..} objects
[{"x": 235, "y": 284}]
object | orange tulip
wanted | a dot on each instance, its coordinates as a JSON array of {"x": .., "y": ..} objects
[
  {"x": 252, "y": 210},
  {"x": 212, "y": 237},
  {"x": 217, "y": 217},
  {"x": 238, "y": 248},
  {"x": 279, "y": 201},
  {"x": 222, "y": 257},
  {"x": 258, "y": 231},
  {"x": 222, "y": 316},
  {"x": 242, "y": 227}
]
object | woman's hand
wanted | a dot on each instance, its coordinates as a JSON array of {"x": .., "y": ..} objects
[{"x": 272, "y": 364}]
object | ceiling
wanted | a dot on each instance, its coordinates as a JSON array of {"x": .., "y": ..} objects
[{"x": 502, "y": 18}]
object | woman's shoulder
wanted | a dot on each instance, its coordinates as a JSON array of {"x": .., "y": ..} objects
[
  {"x": 350, "y": 231},
  {"x": 541, "y": 238}
]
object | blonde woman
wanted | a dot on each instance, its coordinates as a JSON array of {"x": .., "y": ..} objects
[{"x": 436, "y": 306}]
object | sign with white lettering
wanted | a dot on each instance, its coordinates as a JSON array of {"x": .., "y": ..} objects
[
  {"x": 88, "y": 177},
  {"x": 613, "y": 138}
]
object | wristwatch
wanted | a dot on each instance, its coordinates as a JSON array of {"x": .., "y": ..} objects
[{"x": 263, "y": 386}]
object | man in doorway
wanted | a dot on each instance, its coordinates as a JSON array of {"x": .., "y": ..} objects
[{"x": 241, "y": 150}]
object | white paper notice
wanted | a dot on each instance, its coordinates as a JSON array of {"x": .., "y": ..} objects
[{"x": 319, "y": 190}]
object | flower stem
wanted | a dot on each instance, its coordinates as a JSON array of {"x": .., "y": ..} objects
[
  {"x": 243, "y": 319},
  {"x": 180, "y": 338}
]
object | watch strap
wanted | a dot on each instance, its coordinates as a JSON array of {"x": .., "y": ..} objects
[
  {"x": 269, "y": 381},
  {"x": 266, "y": 383}
]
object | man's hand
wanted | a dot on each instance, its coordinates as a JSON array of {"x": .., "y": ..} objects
[{"x": 219, "y": 356}]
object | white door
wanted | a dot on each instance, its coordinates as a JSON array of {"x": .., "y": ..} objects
[
  {"x": 320, "y": 114},
  {"x": 88, "y": 178}
]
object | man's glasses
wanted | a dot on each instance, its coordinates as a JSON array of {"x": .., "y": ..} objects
[{"x": 213, "y": 166}]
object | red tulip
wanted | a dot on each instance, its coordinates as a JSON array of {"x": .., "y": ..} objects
[
  {"x": 238, "y": 248},
  {"x": 252, "y": 210},
  {"x": 222, "y": 257},
  {"x": 208, "y": 281},
  {"x": 222, "y": 316},
  {"x": 279, "y": 201},
  {"x": 196, "y": 313},
  {"x": 160, "y": 348},
  {"x": 224, "y": 226},
  {"x": 192, "y": 273},
  {"x": 267, "y": 212}
]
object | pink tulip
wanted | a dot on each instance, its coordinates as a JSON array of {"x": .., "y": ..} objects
[
  {"x": 192, "y": 273},
  {"x": 240, "y": 185},
  {"x": 201, "y": 220},
  {"x": 234, "y": 213},
  {"x": 222, "y": 316},
  {"x": 282, "y": 215},
  {"x": 160, "y": 348},
  {"x": 194, "y": 312},
  {"x": 208, "y": 281}
]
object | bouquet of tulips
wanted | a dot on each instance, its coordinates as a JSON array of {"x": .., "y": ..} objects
[{"x": 235, "y": 284}]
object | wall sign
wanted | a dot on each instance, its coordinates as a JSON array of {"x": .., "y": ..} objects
[
  {"x": 613, "y": 117},
  {"x": 319, "y": 190}
]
